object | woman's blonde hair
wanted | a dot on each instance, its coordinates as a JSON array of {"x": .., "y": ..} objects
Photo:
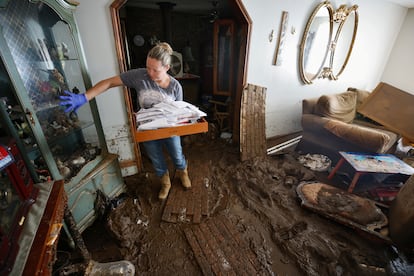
[{"x": 162, "y": 52}]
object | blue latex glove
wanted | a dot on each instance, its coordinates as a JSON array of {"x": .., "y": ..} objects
[{"x": 72, "y": 101}]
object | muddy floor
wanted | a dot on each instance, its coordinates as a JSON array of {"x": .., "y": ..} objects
[{"x": 253, "y": 222}]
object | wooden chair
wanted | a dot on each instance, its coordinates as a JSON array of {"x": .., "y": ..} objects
[{"x": 222, "y": 113}]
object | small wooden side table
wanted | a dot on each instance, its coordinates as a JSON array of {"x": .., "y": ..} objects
[{"x": 371, "y": 163}]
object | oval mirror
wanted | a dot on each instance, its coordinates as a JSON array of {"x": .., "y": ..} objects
[
  {"x": 344, "y": 42},
  {"x": 315, "y": 44}
]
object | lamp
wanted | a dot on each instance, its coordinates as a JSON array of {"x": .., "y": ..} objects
[
  {"x": 187, "y": 57},
  {"x": 187, "y": 54}
]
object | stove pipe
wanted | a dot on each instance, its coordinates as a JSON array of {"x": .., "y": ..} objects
[{"x": 166, "y": 8}]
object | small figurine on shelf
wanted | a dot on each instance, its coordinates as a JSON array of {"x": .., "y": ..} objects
[
  {"x": 65, "y": 50},
  {"x": 62, "y": 51},
  {"x": 64, "y": 170},
  {"x": 58, "y": 77}
]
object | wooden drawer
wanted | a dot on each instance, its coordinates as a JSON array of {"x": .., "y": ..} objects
[{"x": 148, "y": 135}]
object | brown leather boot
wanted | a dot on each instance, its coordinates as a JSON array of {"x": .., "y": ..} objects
[
  {"x": 185, "y": 180},
  {"x": 165, "y": 186}
]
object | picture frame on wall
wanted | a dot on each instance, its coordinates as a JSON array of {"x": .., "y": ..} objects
[{"x": 280, "y": 40}]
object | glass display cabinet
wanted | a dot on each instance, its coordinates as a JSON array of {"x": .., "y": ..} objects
[{"x": 41, "y": 57}]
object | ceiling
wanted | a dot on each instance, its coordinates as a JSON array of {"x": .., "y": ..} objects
[
  {"x": 196, "y": 6},
  {"x": 404, "y": 3},
  {"x": 189, "y": 6}
]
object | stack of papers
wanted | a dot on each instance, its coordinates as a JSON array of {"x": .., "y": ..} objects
[{"x": 167, "y": 114}]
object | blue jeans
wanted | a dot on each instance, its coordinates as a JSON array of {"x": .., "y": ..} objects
[{"x": 154, "y": 151}]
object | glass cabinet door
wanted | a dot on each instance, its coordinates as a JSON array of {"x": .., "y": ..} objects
[{"x": 39, "y": 48}]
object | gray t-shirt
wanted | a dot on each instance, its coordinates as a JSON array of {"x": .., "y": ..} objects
[{"x": 149, "y": 93}]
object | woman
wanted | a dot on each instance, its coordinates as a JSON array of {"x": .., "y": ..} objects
[{"x": 153, "y": 84}]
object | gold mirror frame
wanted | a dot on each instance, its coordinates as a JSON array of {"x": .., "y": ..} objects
[
  {"x": 340, "y": 16},
  {"x": 305, "y": 76}
]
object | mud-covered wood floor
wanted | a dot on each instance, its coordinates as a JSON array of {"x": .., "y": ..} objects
[{"x": 240, "y": 218}]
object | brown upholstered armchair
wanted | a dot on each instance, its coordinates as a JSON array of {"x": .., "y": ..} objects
[{"x": 331, "y": 123}]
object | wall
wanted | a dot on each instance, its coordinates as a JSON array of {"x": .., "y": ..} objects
[
  {"x": 95, "y": 27},
  {"x": 285, "y": 90},
  {"x": 378, "y": 29},
  {"x": 187, "y": 29},
  {"x": 399, "y": 69}
]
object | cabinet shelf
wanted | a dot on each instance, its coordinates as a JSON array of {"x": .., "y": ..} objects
[
  {"x": 64, "y": 135},
  {"x": 47, "y": 106}
]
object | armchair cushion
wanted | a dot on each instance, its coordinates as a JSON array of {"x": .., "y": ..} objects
[
  {"x": 340, "y": 106},
  {"x": 375, "y": 140},
  {"x": 309, "y": 105}
]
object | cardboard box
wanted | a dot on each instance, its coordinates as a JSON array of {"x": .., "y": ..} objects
[{"x": 392, "y": 108}]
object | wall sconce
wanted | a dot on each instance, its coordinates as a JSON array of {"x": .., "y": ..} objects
[{"x": 271, "y": 36}]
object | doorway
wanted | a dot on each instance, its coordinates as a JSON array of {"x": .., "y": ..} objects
[{"x": 128, "y": 41}]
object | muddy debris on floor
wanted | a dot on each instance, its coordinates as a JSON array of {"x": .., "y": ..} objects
[{"x": 251, "y": 221}]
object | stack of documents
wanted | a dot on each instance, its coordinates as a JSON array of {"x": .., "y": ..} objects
[{"x": 167, "y": 114}]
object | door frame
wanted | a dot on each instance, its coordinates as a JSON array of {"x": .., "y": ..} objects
[{"x": 244, "y": 24}]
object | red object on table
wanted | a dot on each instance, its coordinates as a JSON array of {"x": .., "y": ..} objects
[{"x": 17, "y": 194}]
